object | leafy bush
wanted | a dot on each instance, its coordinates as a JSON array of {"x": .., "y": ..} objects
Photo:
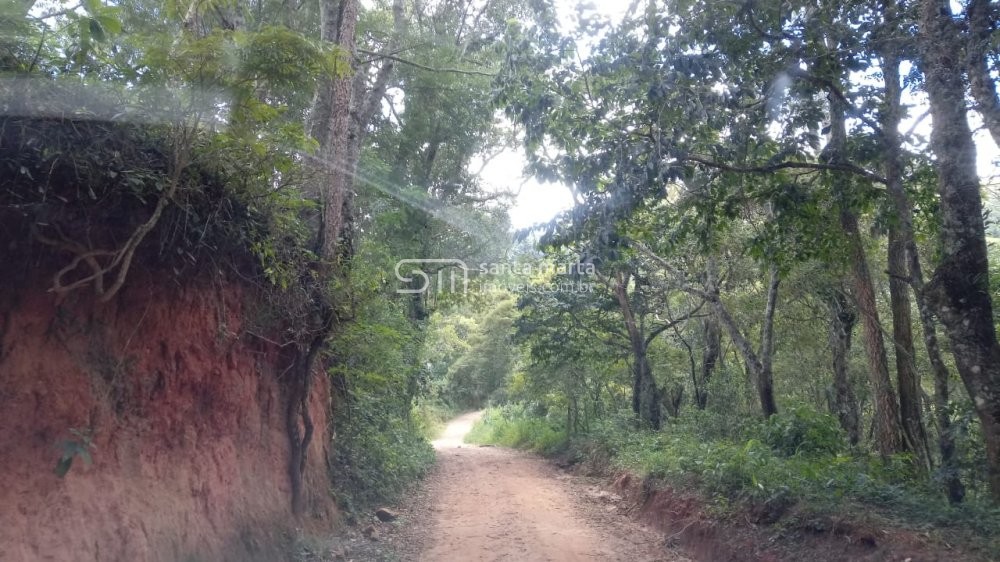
[
  {"x": 430, "y": 417},
  {"x": 510, "y": 427},
  {"x": 375, "y": 457},
  {"x": 380, "y": 447},
  {"x": 803, "y": 431}
]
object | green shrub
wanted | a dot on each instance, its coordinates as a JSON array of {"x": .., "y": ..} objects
[
  {"x": 803, "y": 431},
  {"x": 799, "y": 456},
  {"x": 510, "y": 426},
  {"x": 430, "y": 417},
  {"x": 376, "y": 457}
]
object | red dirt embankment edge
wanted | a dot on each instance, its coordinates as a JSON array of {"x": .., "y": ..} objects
[
  {"x": 764, "y": 536},
  {"x": 186, "y": 410}
]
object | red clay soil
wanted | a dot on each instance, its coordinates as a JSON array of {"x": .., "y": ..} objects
[
  {"x": 754, "y": 537},
  {"x": 186, "y": 411}
]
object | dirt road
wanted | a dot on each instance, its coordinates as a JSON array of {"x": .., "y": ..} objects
[
  {"x": 491, "y": 504},
  {"x": 495, "y": 504}
]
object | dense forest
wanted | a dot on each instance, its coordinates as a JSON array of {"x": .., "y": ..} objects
[{"x": 775, "y": 285}]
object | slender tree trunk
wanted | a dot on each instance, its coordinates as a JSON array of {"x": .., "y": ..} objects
[
  {"x": 759, "y": 366},
  {"x": 843, "y": 403},
  {"x": 712, "y": 336},
  {"x": 900, "y": 241},
  {"x": 331, "y": 126},
  {"x": 365, "y": 101},
  {"x": 904, "y": 262},
  {"x": 888, "y": 437},
  {"x": 959, "y": 289},
  {"x": 765, "y": 381},
  {"x": 982, "y": 16},
  {"x": 691, "y": 364},
  {"x": 907, "y": 378},
  {"x": 645, "y": 395}
]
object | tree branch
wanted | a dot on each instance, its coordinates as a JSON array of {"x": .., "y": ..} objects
[
  {"x": 674, "y": 322},
  {"x": 425, "y": 67},
  {"x": 771, "y": 168}
]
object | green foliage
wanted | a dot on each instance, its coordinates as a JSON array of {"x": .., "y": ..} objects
[
  {"x": 375, "y": 457},
  {"x": 115, "y": 104},
  {"x": 139, "y": 104},
  {"x": 510, "y": 426},
  {"x": 701, "y": 130},
  {"x": 380, "y": 446},
  {"x": 430, "y": 418},
  {"x": 381, "y": 442},
  {"x": 743, "y": 469},
  {"x": 803, "y": 431},
  {"x": 489, "y": 358}
]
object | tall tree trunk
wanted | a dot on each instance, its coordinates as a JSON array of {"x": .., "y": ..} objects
[
  {"x": 712, "y": 337},
  {"x": 900, "y": 243},
  {"x": 365, "y": 101},
  {"x": 942, "y": 376},
  {"x": 888, "y": 437},
  {"x": 692, "y": 364},
  {"x": 331, "y": 126},
  {"x": 981, "y": 15},
  {"x": 645, "y": 395},
  {"x": 765, "y": 380},
  {"x": 890, "y": 120},
  {"x": 844, "y": 404},
  {"x": 959, "y": 289},
  {"x": 907, "y": 378},
  {"x": 712, "y": 341},
  {"x": 759, "y": 365}
]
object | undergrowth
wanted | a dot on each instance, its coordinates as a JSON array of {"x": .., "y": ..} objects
[
  {"x": 797, "y": 458},
  {"x": 512, "y": 426},
  {"x": 375, "y": 458},
  {"x": 429, "y": 417},
  {"x": 381, "y": 445}
]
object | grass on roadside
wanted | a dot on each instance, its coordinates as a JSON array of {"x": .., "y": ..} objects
[
  {"x": 796, "y": 458},
  {"x": 430, "y": 418},
  {"x": 511, "y": 428}
]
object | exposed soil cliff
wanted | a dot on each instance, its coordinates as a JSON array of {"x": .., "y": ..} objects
[{"x": 186, "y": 412}]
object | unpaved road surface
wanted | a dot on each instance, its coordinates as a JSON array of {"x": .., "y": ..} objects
[{"x": 492, "y": 504}]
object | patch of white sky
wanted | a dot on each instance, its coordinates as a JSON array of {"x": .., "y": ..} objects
[{"x": 537, "y": 202}]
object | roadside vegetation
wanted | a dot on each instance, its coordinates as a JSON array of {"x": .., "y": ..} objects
[{"x": 796, "y": 463}]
